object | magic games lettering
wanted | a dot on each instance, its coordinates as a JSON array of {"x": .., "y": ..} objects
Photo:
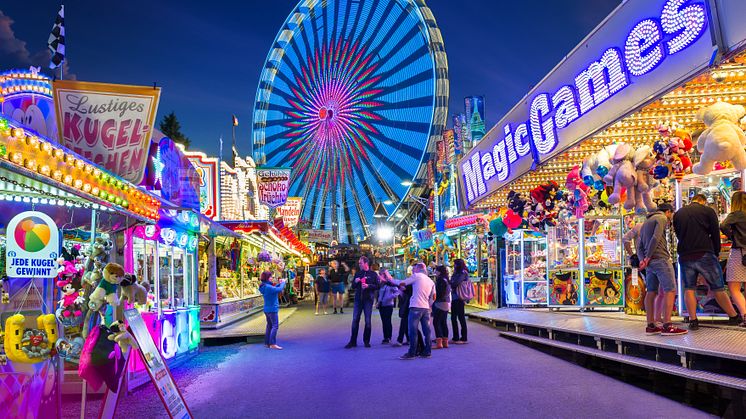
[{"x": 646, "y": 46}]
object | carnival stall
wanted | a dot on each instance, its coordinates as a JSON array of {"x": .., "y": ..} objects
[
  {"x": 62, "y": 226},
  {"x": 524, "y": 275},
  {"x": 634, "y": 116}
]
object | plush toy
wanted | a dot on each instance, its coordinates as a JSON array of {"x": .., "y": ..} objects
[
  {"x": 101, "y": 360},
  {"x": 29, "y": 345},
  {"x": 723, "y": 138},
  {"x": 516, "y": 203},
  {"x": 98, "y": 255},
  {"x": 643, "y": 162},
  {"x": 106, "y": 291},
  {"x": 602, "y": 160},
  {"x": 578, "y": 191},
  {"x": 622, "y": 176},
  {"x": 69, "y": 284},
  {"x": 132, "y": 291},
  {"x": 121, "y": 336}
]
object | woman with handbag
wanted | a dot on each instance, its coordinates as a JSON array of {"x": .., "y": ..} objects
[
  {"x": 734, "y": 227},
  {"x": 441, "y": 307},
  {"x": 387, "y": 295},
  {"x": 458, "y": 315}
]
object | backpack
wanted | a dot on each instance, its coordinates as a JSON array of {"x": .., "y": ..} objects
[{"x": 465, "y": 290}]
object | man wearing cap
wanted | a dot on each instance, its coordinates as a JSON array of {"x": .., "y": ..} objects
[
  {"x": 698, "y": 233},
  {"x": 652, "y": 250}
]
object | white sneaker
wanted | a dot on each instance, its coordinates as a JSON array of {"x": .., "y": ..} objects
[
  {"x": 316, "y": 313},
  {"x": 325, "y": 313}
]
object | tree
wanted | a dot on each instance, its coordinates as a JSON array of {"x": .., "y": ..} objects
[{"x": 172, "y": 129}]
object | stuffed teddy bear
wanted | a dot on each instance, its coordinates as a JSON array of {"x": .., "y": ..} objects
[
  {"x": 723, "y": 138},
  {"x": 133, "y": 291},
  {"x": 622, "y": 176},
  {"x": 106, "y": 291},
  {"x": 644, "y": 161}
]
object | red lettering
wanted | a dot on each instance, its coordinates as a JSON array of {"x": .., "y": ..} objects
[
  {"x": 71, "y": 129},
  {"x": 111, "y": 162},
  {"x": 123, "y": 168},
  {"x": 137, "y": 133},
  {"x": 90, "y": 131},
  {"x": 123, "y": 136},
  {"x": 108, "y": 130},
  {"x": 136, "y": 160}
]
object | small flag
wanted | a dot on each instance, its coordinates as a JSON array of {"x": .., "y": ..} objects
[
  {"x": 56, "y": 40},
  {"x": 235, "y": 121}
]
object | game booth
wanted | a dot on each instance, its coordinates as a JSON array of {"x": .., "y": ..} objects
[
  {"x": 61, "y": 242},
  {"x": 638, "y": 114}
]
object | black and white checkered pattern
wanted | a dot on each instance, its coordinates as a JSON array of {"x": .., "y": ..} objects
[{"x": 56, "y": 40}]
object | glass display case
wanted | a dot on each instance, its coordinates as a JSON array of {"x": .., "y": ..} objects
[
  {"x": 602, "y": 270},
  {"x": 524, "y": 276},
  {"x": 563, "y": 265}
]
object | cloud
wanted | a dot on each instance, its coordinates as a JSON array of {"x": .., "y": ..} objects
[{"x": 17, "y": 53}]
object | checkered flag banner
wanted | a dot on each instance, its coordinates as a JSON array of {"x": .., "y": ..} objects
[{"x": 56, "y": 40}]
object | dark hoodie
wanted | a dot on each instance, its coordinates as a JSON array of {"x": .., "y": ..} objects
[{"x": 734, "y": 226}]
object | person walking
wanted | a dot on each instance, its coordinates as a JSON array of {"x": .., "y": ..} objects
[
  {"x": 652, "y": 250},
  {"x": 734, "y": 227},
  {"x": 423, "y": 296},
  {"x": 441, "y": 306},
  {"x": 270, "y": 292},
  {"x": 387, "y": 295},
  {"x": 365, "y": 285},
  {"x": 338, "y": 281},
  {"x": 458, "y": 314},
  {"x": 322, "y": 287},
  {"x": 698, "y": 233}
]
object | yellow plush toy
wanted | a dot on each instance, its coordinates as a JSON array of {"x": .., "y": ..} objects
[{"x": 30, "y": 345}]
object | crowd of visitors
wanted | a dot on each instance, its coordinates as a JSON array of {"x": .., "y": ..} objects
[{"x": 698, "y": 245}]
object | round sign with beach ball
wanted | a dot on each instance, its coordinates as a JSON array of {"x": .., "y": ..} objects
[{"x": 32, "y": 246}]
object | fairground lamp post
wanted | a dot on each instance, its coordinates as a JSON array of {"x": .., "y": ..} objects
[{"x": 384, "y": 231}]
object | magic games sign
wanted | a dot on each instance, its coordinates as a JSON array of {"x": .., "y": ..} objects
[
  {"x": 639, "y": 52},
  {"x": 32, "y": 246}
]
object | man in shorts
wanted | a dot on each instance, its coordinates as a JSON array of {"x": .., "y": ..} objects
[
  {"x": 652, "y": 250},
  {"x": 698, "y": 232}
]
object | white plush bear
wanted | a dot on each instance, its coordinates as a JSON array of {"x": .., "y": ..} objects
[
  {"x": 622, "y": 175},
  {"x": 723, "y": 139}
]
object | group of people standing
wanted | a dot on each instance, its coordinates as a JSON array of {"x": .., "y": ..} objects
[
  {"x": 697, "y": 232},
  {"x": 418, "y": 298},
  {"x": 335, "y": 283}
]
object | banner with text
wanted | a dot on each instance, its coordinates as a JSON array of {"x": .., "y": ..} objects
[
  {"x": 290, "y": 212},
  {"x": 274, "y": 183},
  {"x": 108, "y": 124},
  {"x": 32, "y": 246},
  {"x": 319, "y": 236}
]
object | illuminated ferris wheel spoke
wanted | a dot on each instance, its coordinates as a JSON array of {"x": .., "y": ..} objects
[{"x": 350, "y": 104}]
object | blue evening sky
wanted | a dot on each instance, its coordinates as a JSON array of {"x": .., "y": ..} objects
[{"x": 207, "y": 56}]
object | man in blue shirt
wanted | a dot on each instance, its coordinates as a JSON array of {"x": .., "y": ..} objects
[{"x": 365, "y": 285}]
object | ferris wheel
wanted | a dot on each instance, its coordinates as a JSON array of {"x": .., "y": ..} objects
[{"x": 352, "y": 95}]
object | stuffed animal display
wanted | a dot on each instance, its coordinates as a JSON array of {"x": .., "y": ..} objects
[
  {"x": 98, "y": 256},
  {"x": 71, "y": 303},
  {"x": 578, "y": 192},
  {"x": 133, "y": 291},
  {"x": 643, "y": 162},
  {"x": 106, "y": 291},
  {"x": 622, "y": 176},
  {"x": 723, "y": 139},
  {"x": 543, "y": 211},
  {"x": 672, "y": 153}
]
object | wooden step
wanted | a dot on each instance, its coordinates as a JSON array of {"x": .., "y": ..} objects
[{"x": 696, "y": 375}]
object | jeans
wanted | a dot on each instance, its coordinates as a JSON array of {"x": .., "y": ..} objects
[
  {"x": 708, "y": 266},
  {"x": 440, "y": 323},
  {"x": 458, "y": 316},
  {"x": 421, "y": 316},
  {"x": 660, "y": 274},
  {"x": 403, "y": 323},
  {"x": 386, "y": 313},
  {"x": 270, "y": 334},
  {"x": 361, "y": 307}
]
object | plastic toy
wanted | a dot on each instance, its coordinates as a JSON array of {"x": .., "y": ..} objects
[{"x": 723, "y": 138}]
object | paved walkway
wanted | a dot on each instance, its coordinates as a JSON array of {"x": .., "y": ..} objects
[
  {"x": 251, "y": 326},
  {"x": 314, "y": 377}
]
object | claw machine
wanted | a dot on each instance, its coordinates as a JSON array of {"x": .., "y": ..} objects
[
  {"x": 564, "y": 287},
  {"x": 603, "y": 264},
  {"x": 524, "y": 275}
]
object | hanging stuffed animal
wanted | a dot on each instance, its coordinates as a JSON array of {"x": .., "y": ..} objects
[
  {"x": 101, "y": 360},
  {"x": 30, "y": 345},
  {"x": 578, "y": 191},
  {"x": 68, "y": 281},
  {"x": 106, "y": 291},
  {"x": 623, "y": 176},
  {"x": 723, "y": 139},
  {"x": 643, "y": 162},
  {"x": 133, "y": 291}
]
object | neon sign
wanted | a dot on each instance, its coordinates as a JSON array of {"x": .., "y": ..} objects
[{"x": 647, "y": 45}]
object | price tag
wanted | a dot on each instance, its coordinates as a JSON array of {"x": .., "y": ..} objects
[{"x": 635, "y": 277}]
